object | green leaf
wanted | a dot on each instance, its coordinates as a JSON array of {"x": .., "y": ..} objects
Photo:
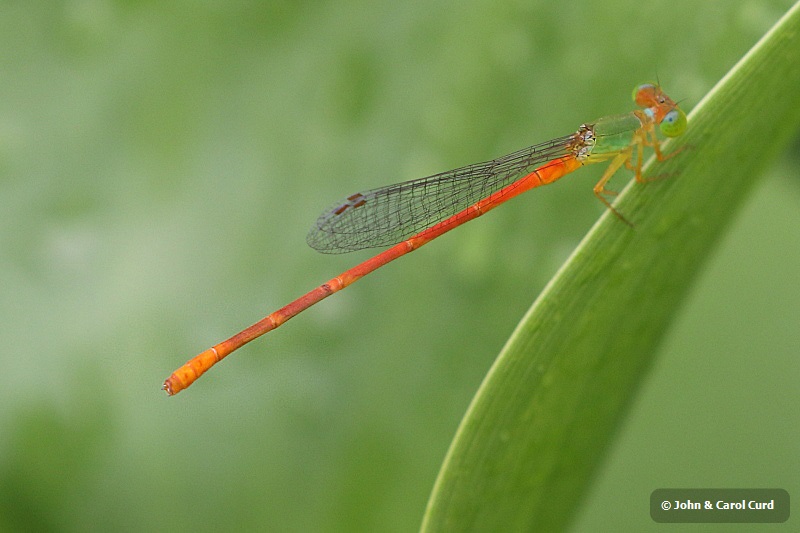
[{"x": 545, "y": 415}]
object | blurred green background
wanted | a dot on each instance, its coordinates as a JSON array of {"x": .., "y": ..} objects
[{"x": 160, "y": 165}]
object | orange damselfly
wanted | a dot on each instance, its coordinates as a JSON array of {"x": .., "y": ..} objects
[{"x": 409, "y": 214}]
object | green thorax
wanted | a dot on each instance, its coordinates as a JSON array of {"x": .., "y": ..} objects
[{"x": 612, "y": 135}]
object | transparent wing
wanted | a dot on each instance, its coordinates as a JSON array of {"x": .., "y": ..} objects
[{"x": 391, "y": 214}]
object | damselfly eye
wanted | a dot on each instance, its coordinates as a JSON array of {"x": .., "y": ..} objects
[
  {"x": 674, "y": 123},
  {"x": 643, "y": 94}
]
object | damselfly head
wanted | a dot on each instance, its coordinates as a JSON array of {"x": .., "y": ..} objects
[{"x": 663, "y": 110}]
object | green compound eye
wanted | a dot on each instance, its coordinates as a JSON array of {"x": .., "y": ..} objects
[{"x": 674, "y": 123}]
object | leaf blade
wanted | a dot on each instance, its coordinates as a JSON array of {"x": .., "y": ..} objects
[{"x": 540, "y": 424}]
